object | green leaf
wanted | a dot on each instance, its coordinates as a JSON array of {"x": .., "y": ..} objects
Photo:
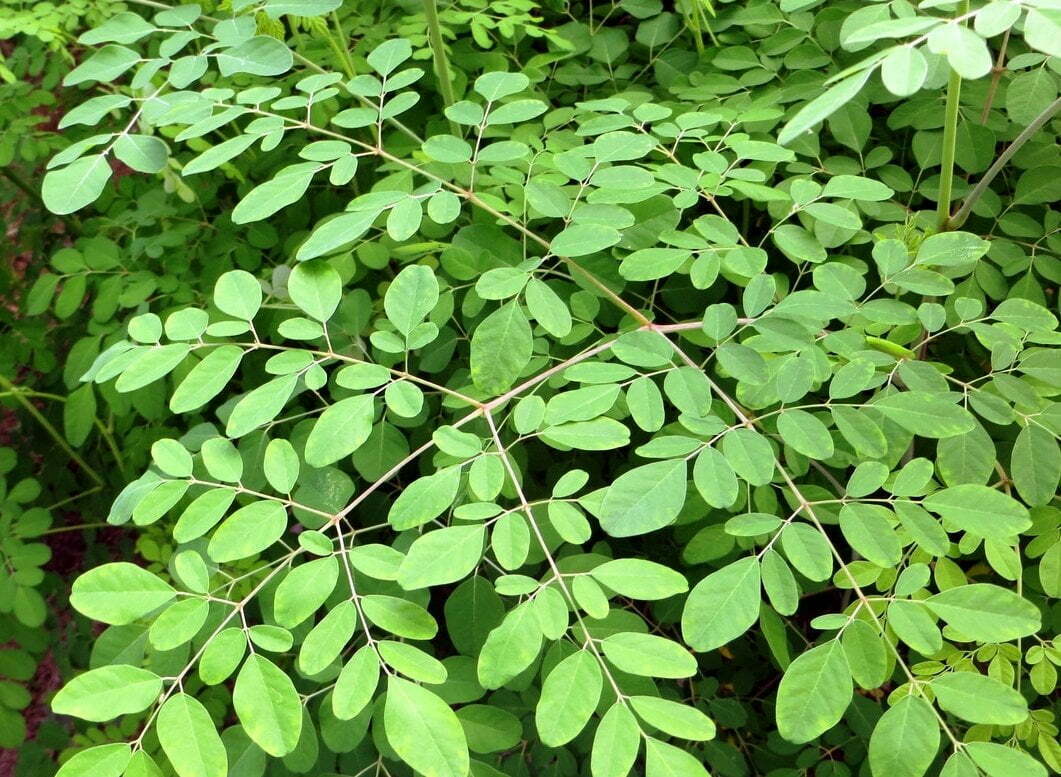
[
  {"x": 814, "y": 693},
  {"x": 600, "y": 434},
  {"x": 316, "y": 288},
  {"x": 644, "y": 499},
  {"x": 262, "y": 55},
  {"x": 387, "y": 56},
  {"x": 189, "y": 739},
  {"x": 399, "y": 616},
  {"x": 979, "y": 698},
  {"x": 442, "y": 556},
  {"x": 424, "y": 731},
  {"x": 79, "y": 415},
  {"x": 340, "y": 430},
  {"x": 647, "y": 655},
  {"x": 980, "y": 510},
  {"x": 868, "y": 531},
  {"x": 99, "y": 761},
  {"x": 778, "y": 581},
  {"x": 411, "y": 296},
  {"x": 150, "y": 364},
  {"x": 495, "y": 85},
  {"x": 986, "y": 612},
  {"x": 1050, "y": 571},
  {"x": 547, "y": 308},
  {"x": 1041, "y": 32},
  {"x": 966, "y": 52},
  {"x": 143, "y": 153},
  {"x": 142, "y": 765},
  {"x": 722, "y": 606},
  {"x": 335, "y": 233},
  {"x": 104, "y": 65},
  {"x": 119, "y": 593},
  {"x": 912, "y": 624},
  {"x": 649, "y": 264},
  {"x": 855, "y": 187},
  {"x": 948, "y": 249},
  {"x": 823, "y": 106},
  {"x": 203, "y": 514},
  {"x": 616, "y": 743},
  {"x": 281, "y": 465},
  {"x": 356, "y": 684},
  {"x": 805, "y": 433},
  {"x": 178, "y": 623},
  {"x": 108, "y": 692},
  {"x": 808, "y": 550},
  {"x": 238, "y": 294},
  {"x": 866, "y": 654},
  {"x": 509, "y": 648},
  {"x": 1029, "y": 93},
  {"x": 78, "y": 184},
  {"x": 905, "y": 740},
  {"x": 904, "y": 70},
  {"x": 501, "y": 347},
  {"x": 303, "y": 590},
  {"x": 1037, "y": 186},
  {"x": 267, "y": 706},
  {"x": 515, "y": 112},
  {"x": 489, "y": 729},
  {"x": 285, "y": 188},
  {"x": 923, "y": 528},
  {"x": 640, "y": 579},
  {"x": 999, "y": 760},
  {"x": 673, "y": 718},
  {"x": 424, "y": 499},
  {"x": 304, "y": 8},
  {"x": 926, "y": 414},
  {"x": 222, "y": 655},
  {"x": 448, "y": 148},
  {"x": 215, "y": 156},
  {"x": 569, "y": 696},
  {"x": 583, "y": 239},
  {"x": 750, "y": 455},
  {"x": 248, "y": 531},
  {"x": 714, "y": 478},
  {"x": 328, "y": 638},
  {"x": 664, "y": 760},
  {"x": 123, "y": 27},
  {"x": 260, "y": 406},
  {"x": 1035, "y": 465}
]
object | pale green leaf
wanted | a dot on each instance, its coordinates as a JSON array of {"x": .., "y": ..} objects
[
  {"x": 722, "y": 606},
  {"x": 814, "y": 693},
  {"x": 424, "y": 731},
  {"x": 268, "y": 706},
  {"x": 569, "y": 696}
]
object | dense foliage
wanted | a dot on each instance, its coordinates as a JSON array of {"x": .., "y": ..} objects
[{"x": 504, "y": 388}]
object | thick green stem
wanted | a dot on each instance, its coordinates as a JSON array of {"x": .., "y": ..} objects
[
  {"x": 950, "y": 134},
  {"x": 438, "y": 51},
  {"x": 950, "y": 139}
]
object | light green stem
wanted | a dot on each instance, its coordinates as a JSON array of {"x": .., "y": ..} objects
[
  {"x": 342, "y": 48},
  {"x": 950, "y": 139},
  {"x": 438, "y": 52}
]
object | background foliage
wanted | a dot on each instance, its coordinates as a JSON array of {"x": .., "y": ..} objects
[{"x": 531, "y": 389}]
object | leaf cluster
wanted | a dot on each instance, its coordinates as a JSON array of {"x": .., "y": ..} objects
[{"x": 604, "y": 420}]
